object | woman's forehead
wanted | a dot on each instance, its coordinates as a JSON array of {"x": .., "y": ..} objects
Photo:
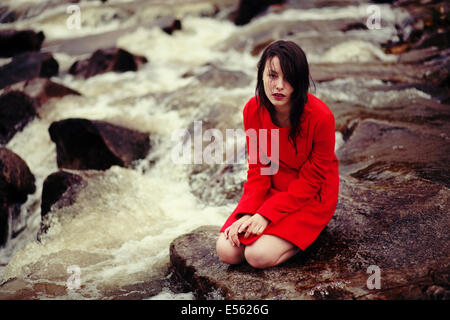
[{"x": 273, "y": 64}]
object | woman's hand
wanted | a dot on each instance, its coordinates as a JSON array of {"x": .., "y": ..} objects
[
  {"x": 231, "y": 233},
  {"x": 256, "y": 224}
]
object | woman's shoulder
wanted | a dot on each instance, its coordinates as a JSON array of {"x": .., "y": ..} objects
[
  {"x": 251, "y": 105},
  {"x": 253, "y": 114}
]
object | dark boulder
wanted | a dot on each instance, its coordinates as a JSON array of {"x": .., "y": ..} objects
[
  {"x": 171, "y": 26},
  {"x": 14, "y": 42},
  {"x": 42, "y": 89},
  {"x": 60, "y": 188},
  {"x": 28, "y": 66},
  {"x": 16, "y": 182},
  {"x": 16, "y": 110},
  {"x": 89, "y": 144},
  {"x": 248, "y": 9},
  {"x": 106, "y": 60}
]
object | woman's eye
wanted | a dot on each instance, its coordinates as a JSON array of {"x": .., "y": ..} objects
[{"x": 272, "y": 75}]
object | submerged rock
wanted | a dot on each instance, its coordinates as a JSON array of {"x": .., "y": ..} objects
[
  {"x": 171, "y": 26},
  {"x": 60, "y": 188},
  {"x": 89, "y": 144},
  {"x": 42, "y": 89},
  {"x": 28, "y": 66},
  {"x": 106, "y": 60},
  {"x": 16, "y": 183},
  {"x": 14, "y": 42}
]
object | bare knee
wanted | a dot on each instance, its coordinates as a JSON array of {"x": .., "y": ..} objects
[
  {"x": 259, "y": 258},
  {"x": 227, "y": 253}
]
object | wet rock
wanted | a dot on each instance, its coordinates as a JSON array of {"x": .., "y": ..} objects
[
  {"x": 60, "y": 188},
  {"x": 90, "y": 43},
  {"x": 28, "y": 66},
  {"x": 42, "y": 89},
  {"x": 393, "y": 102},
  {"x": 377, "y": 146},
  {"x": 419, "y": 55},
  {"x": 16, "y": 110},
  {"x": 216, "y": 77},
  {"x": 314, "y": 36},
  {"x": 106, "y": 60},
  {"x": 430, "y": 23},
  {"x": 172, "y": 26},
  {"x": 89, "y": 144},
  {"x": 205, "y": 181},
  {"x": 435, "y": 72},
  {"x": 13, "y": 42},
  {"x": 16, "y": 182},
  {"x": 374, "y": 224},
  {"x": 140, "y": 291},
  {"x": 250, "y": 8},
  {"x": 7, "y": 15}
]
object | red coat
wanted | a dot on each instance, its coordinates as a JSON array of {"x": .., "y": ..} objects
[{"x": 300, "y": 199}]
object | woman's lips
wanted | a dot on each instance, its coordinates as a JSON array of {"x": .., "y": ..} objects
[{"x": 278, "y": 96}]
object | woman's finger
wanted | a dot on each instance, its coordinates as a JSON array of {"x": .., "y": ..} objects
[
  {"x": 261, "y": 229},
  {"x": 250, "y": 230},
  {"x": 225, "y": 232},
  {"x": 235, "y": 239},
  {"x": 231, "y": 235},
  {"x": 244, "y": 225}
]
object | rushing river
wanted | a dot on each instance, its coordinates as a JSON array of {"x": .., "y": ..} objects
[{"x": 119, "y": 230}]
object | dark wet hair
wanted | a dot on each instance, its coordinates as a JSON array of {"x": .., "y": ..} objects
[{"x": 295, "y": 69}]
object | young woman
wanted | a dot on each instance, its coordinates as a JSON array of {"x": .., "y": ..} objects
[{"x": 282, "y": 213}]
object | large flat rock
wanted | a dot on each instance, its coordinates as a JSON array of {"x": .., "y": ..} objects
[{"x": 402, "y": 231}]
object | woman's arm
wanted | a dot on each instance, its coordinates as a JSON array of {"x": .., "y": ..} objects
[
  {"x": 257, "y": 185},
  {"x": 310, "y": 177}
]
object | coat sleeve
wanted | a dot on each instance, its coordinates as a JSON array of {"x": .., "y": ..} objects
[
  {"x": 257, "y": 185},
  {"x": 310, "y": 177}
]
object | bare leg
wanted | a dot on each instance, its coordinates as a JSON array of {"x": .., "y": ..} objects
[
  {"x": 227, "y": 253},
  {"x": 269, "y": 251}
]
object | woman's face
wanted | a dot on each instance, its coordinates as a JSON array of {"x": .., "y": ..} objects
[{"x": 276, "y": 87}]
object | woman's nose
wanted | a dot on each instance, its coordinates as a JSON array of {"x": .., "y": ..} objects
[{"x": 279, "y": 84}]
